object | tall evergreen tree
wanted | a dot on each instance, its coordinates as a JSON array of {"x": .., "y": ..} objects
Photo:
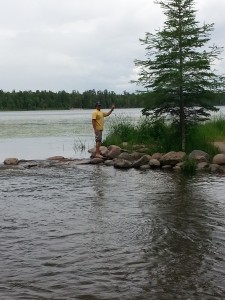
[{"x": 177, "y": 74}]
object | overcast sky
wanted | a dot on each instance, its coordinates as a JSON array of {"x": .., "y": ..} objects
[{"x": 83, "y": 44}]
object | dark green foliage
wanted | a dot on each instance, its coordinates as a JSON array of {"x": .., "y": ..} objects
[
  {"x": 161, "y": 136},
  {"x": 38, "y": 100},
  {"x": 177, "y": 75},
  {"x": 154, "y": 133},
  {"x": 189, "y": 167}
]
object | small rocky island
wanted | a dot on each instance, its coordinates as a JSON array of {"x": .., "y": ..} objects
[{"x": 123, "y": 159}]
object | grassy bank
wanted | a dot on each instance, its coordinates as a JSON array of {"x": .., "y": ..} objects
[{"x": 159, "y": 136}]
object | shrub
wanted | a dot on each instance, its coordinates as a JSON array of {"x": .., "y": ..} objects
[{"x": 189, "y": 167}]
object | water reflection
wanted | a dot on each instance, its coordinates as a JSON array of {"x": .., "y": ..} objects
[
  {"x": 95, "y": 232},
  {"x": 180, "y": 240}
]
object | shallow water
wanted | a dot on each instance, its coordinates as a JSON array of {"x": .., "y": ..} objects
[{"x": 95, "y": 232}]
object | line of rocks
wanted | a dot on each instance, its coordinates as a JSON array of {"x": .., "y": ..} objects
[
  {"x": 115, "y": 156},
  {"x": 122, "y": 159}
]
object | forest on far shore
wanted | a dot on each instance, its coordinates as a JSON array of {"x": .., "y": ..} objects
[{"x": 48, "y": 100}]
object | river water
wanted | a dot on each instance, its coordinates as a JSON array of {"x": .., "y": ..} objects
[{"x": 94, "y": 232}]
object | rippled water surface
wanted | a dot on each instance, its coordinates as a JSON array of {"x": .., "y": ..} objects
[{"x": 94, "y": 232}]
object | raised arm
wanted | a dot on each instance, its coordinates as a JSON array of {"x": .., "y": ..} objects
[{"x": 111, "y": 110}]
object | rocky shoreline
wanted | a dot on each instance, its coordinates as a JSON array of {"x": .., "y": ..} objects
[{"x": 122, "y": 159}]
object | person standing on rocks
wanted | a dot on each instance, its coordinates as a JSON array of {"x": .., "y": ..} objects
[{"x": 98, "y": 125}]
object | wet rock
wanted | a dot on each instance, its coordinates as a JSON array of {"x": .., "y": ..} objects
[
  {"x": 177, "y": 168},
  {"x": 156, "y": 155},
  {"x": 56, "y": 158},
  {"x": 172, "y": 158},
  {"x": 136, "y": 155},
  {"x": 202, "y": 166},
  {"x": 144, "y": 160},
  {"x": 103, "y": 151},
  {"x": 114, "y": 152},
  {"x": 96, "y": 160},
  {"x": 220, "y": 146},
  {"x": 199, "y": 156},
  {"x": 126, "y": 156},
  {"x": 167, "y": 167},
  {"x": 122, "y": 163},
  {"x": 109, "y": 162},
  {"x": 154, "y": 163},
  {"x": 11, "y": 161},
  {"x": 214, "y": 168},
  {"x": 219, "y": 159},
  {"x": 145, "y": 167}
]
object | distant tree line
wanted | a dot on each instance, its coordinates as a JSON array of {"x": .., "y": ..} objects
[{"x": 47, "y": 100}]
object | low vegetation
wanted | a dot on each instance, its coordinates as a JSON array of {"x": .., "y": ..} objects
[{"x": 158, "y": 135}]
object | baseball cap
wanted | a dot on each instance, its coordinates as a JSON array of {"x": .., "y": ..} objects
[{"x": 97, "y": 104}]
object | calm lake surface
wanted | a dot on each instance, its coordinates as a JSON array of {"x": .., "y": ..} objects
[
  {"x": 94, "y": 232},
  {"x": 40, "y": 134}
]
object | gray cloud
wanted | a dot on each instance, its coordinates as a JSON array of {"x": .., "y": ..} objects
[{"x": 82, "y": 44}]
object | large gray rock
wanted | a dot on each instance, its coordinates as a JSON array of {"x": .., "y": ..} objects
[
  {"x": 154, "y": 163},
  {"x": 103, "y": 151},
  {"x": 136, "y": 155},
  {"x": 144, "y": 160},
  {"x": 172, "y": 158},
  {"x": 11, "y": 161},
  {"x": 202, "y": 166},
  {"x": 220, "y": 146},
  {"x": 199, "y": 156},
  {"x": 156, "y": 155},
  {"x": 214, "y": 168},
  {"x": 126, "y": 156},
  {"x": 114, "y": 152},
  {"x": 122, "y": 163},
  {"x": 96, "y": 160},
  {"x": 219, "y": 159},
  {"x": 109, "y": 162}
]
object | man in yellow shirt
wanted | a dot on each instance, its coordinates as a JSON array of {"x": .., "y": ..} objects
[{"x": 98, "y": 125}]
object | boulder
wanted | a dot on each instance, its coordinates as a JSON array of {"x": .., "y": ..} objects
[
  {"x": 220, "y": 146},
  {"x": 60, "y": 158},
  {"x": 214, "y": 168},
  {"x": 156, "y": 155},
  {"x": 144, "y": 167},
  {"x": 154, "y": 163},
  {"x": 103, "y": 151},
  {"x": 199, "y": 156},
  {"x": 114, "y": 152},
  {"x": 126, "y": 156},
  {"x": 136, "y": 155},
  {"x": 122, "y": 163},
  {"x": 177, "y": 168},
  {"x": 96, "y": 160},
  {"x": 144, "y": 160},
  {"x": 219, "y": 159},
  {"x": 172, "y": 158},
  {"x": 202, "y": 166},
  {"x": 11, "y": 161},
  {"x": 109, "y": 162}
]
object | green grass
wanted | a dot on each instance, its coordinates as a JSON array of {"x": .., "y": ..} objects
[{"x": 160, "y": 136}]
